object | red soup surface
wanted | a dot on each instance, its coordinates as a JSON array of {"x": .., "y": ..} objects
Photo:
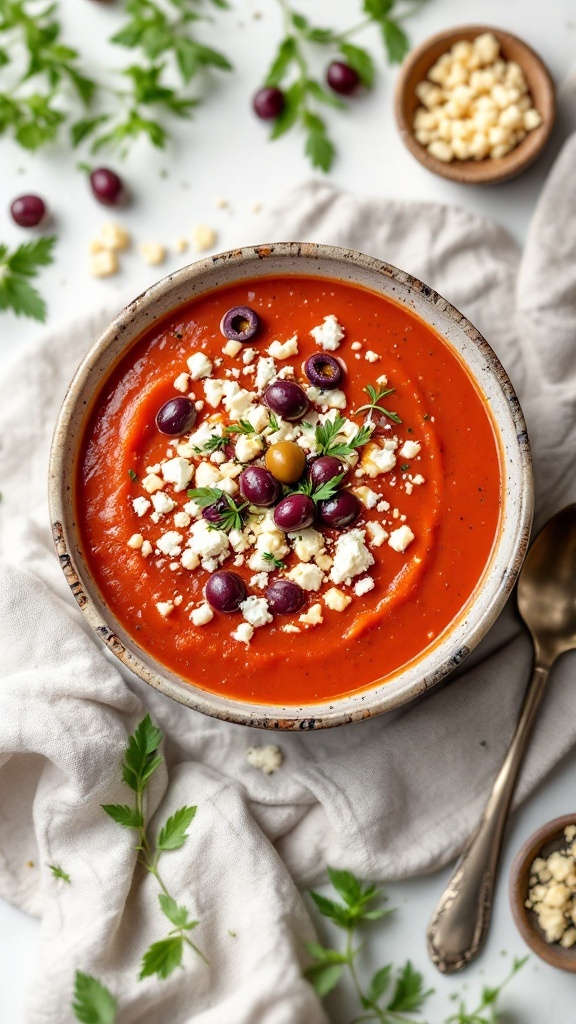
[{"x": 422, "y": 465}]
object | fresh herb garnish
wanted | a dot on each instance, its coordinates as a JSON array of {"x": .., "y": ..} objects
[
  {"x": 93, "y": 1002},
  {"x": 328, "y": 443},
  {"x": 133, "y": 476},
  {"x": 242, "y": 427},
  {"x": 59, "y": 873},
  {"x": 141, "y": 760},
  {"x": 230, "y": 514},
  {"x": 213, "y": 444},
  {"x": 16, "y": 293},
  {"x": 277, "y": 562},
  {"x": 376, "y": 395},
  {"x": 404, "y": 467},
  {"x": 273, "y": 422},
  {"x": 324, "y": 491},
  {"x": 487, "y": 1002}
]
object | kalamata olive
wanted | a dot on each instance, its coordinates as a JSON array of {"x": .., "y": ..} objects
[
  {"x": 213, "y": 513},
  {"x": 284, "y": 597},
  {"x": 240, "y": 323},
  {"x": 107, "y": 186},
  {"x": 28, "y": 211},
  {"x": 339, "y": 511},
  {"x": 342, "y": 78},
  {"x": 258, "y": 486},
  {"x": 225, "y": 591},
  {"x": 294, "y": 512},
  {"x": 287, "y": 399},
  {"x": 176, "y": 416},
  {"x": 325, "y": 468},
  {"x": 268, "y": 103},
  {"x": 323, "y": 371},
  {"x": 285, "y": 461}
]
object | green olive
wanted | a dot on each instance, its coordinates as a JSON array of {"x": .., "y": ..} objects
[{"x": 285, "y": 461}]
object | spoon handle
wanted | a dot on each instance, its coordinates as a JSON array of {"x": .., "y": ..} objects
[{"x": 460, "y": 922}]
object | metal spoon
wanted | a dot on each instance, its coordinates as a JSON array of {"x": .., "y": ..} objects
[{"x": 547, "y": 603}]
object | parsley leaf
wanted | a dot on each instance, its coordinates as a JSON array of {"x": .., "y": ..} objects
[
  {"x": 173, "y": 834},
  {"x": 228, "y": 515},
  {"x": 176, "y": 914},
  {"x": 324, "y": 491},
  {"x": 329, "y": 441},
  {"x": 163, "y": 957},
  {"x": 93, "y": 1003},
  {"x": 59, "y": 873},
  {"x": 15, "y": 267},
  {"x": 409, "y": 994}
]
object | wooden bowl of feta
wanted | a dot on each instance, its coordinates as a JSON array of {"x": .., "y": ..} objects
[
  {"x": 543, "y": 892},
  {"x": 475, "y": 104}
]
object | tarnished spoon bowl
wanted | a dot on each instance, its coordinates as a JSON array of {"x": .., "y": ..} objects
[{"x": 547, "y": 604}]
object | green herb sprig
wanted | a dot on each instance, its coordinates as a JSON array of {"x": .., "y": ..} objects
[
  {"x": 230, "y": 513},
  {"x": 276, "y": 562},
  {"x": 58, "y": 872},
  {"x": 488, "y": 1001},
  {"x": 329, "y": 442},
  {"x": 323, "y": 491},
  {"x": 93, "y": 1002},
  {"x": 303, "y": 92},
  {"x": 141, "y": 761},
  {"x": 376, "y": 395},
  {"x": 16, "y": 269}
]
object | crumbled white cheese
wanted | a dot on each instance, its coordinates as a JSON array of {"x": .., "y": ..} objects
[
  {"x": 207, "y": 475},
  {"x": 258, "y": 417},
  {"x": 170, "y": 543},
  {"x": 383, "y": 506},
  {"x": 190, "y": 560},
  {"x": 336, "y": 599},
  {"x": 307, "y": 576},
  {"x": 368, "y": 497},
  {"x": 243, "y": 633},
  {"x": 313, "y": 617},
  {"x": 180, "y": 245},
  {"x": 265, "y": 372},
  {"x": 181, "y": 383},
  {"x": 146, "y": 549},
  {"x": 163, "y": 503},
  {"x": 114, "y": 237},
  {"x": 192, "y": 509},
  {"x": 410, "y": 449},
  {"x": 307, "y": 543},
  {"x": 376, "y": 533},
  {"x": 329, "y": 334},
  {"x": 237, "y": 400},
  {"x": 178, "y": 472},
  {"x": 213, "y": 391},
  {"x": 248, "y": 447},
  {"x": 364, "y": 586},
  {"x": 136, "y": 541},
  {"x": 152, "y": 483},
  {"x": 400, "y": 539},
  {"x": 290, "y": 628},
  {"x": 199, "y": 365},
  {"x": 249, "y": 355},
  {"x": 203, "y": 237},
  {"x": 260, "y": 580},
  {"x": 153, "y": 253},
  {"x": 181, "y": 519},
  {"x": 268, "y": 758},
  {"x": 255, "y": 611},
  {"x": 283, "y": 350},
  {"x": 165, "y": 608},
  {"x": 232, "y": 348},
  {"x": 334, "y": 399},
  {"x": 356, "y": 346},
  {"x": 104, "y": 263},
  {"x": 371, "y": 357},
  {"x": 351, "y": 556},
  {"x": 201, "y": 615},
  {"x": 377, "y": 460},
  {"x": 140, "y": 505},
  {"x": 206, "y": 541}
]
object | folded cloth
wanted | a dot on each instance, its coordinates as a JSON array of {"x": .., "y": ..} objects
[{"x": 385, "y": 798}]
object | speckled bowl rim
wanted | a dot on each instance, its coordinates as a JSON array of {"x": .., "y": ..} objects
[{"x": 349, "y": 266}]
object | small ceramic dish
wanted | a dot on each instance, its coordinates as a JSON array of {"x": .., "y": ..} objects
[
  {"x": 548, "y": 839},
  {"x": 489, "y": 170}
]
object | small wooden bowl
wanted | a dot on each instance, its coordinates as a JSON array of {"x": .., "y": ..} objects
[
  {"x": 415, "y": 69},
  {"x": 545, "y": 841}
]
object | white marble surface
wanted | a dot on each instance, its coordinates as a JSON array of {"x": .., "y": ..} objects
[{"x": 223, "y": 154}]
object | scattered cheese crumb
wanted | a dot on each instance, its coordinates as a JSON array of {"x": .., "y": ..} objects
[
  {"x": 104, "y": 264},
  {"x": 199, "y": 365},
  {"x": 400, "y": 539},
  {"x": 410, "y": 449},
  {"x": 279, "y": 350},
  {"x": 136, "y": 541},
  {"x": 313, "y": 617},
  {"x": 152, "y": 482},
  {"x": 243, "y": 633},
  {"x": 232, "y": 348},
  {"x": 181, "y": 383},
  {"x": 140, "y": 505},
  {"x": 146, "y": 549},
  {"x": 201, "y": 615},
  {"x": 364, "y": 586},
  {"x": 203, "y": 237},
  {"x": 255, "y": 611},
  {"x": 268, "y": 758},
  {"x": 371, "y": 357},
  {"x": 113, "y": 237},
  {"x": 165, "y": 608},
  {"x": 329, "y": 334},
  {"x": 180, "y": 245},
  {"x": 336, "y": 599},
  {"x": 153, "y": 253}
]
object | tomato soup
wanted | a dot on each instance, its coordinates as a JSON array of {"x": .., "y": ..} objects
[{"x": 272, "y": 539}]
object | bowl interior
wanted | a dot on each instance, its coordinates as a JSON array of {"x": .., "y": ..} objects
[
  {"x": 415, "y": 70},
  {"x": 545, "y": 841},
  {"x": 340, "y": 265}
]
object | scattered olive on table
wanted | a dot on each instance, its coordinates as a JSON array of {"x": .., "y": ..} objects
[
  {"x": 259, "y": 486},
  {"x": 225, "y": 591},
  {"x": 107, "y": 186},
  {"x": 325, "y": 468},
  {"x": 294, "y": 512},
  {"x": 287, "y": 399},
  {"x": 285, "y": 460},
  {"x": 284, "y": 597},
  {"x": 28, "y": 211},
  {"x": 176, "y": 416},
  {"x": 239, "y": 324},
  {"x": 340, "y": 510},
  {"x": 323, "y": 371},
  {"x": 268, "y": 103},
  {"x": 342, "y": 78}
]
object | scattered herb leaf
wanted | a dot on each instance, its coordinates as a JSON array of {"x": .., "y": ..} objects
[
  {"x": 59, "y": 873},
  {"x": 16, "y": 293},
  {"x": 277, "y": 562},
  {"x": 93, "y": 1003},
  {"x": 133, "y": 476}
]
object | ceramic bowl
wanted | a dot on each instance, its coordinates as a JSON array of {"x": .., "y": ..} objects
[
  {"x": 339, "y": 265},
  {"x": 415, "y": 70},
  {"x": 546, "y": 840}
]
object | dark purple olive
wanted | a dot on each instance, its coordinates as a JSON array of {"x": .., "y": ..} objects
[
  {"x": 342, "y": 78},
  {"x": 107, "y": 187},
  {"x": 287, "y": 399},
  {"x": 323, "y": 371},
  {"x": 28, "y": 211},
  {"x": 325, "y": 468},
  {"x": 225, "y": 591},
  {"x": 339, "y": 511},
  {"x": 176, "y": 416},
  {"x": 268, "y": 103},
  {"x": 258, "y": 486},
  {"x": 284, "y": 597},
  {"x": 213, "y": 513},
  {"x": 294, "y": 512},
  {"x": 240, "y": 323}
]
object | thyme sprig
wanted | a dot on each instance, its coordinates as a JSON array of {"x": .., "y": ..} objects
[
  {"x": 376, "y": 395},
  {"x": 329, "y": 442},
  {"x": 276, "y": 562}
]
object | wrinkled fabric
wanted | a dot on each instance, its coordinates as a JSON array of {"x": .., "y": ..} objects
[{"x": 386, "y": 798}]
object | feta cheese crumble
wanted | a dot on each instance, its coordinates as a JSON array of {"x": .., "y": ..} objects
[
  {"x": 329, "y": 334},
  {"x": 268, "y": 758}
]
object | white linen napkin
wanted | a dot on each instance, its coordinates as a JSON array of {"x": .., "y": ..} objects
[{"x": 385, "y": 798}]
